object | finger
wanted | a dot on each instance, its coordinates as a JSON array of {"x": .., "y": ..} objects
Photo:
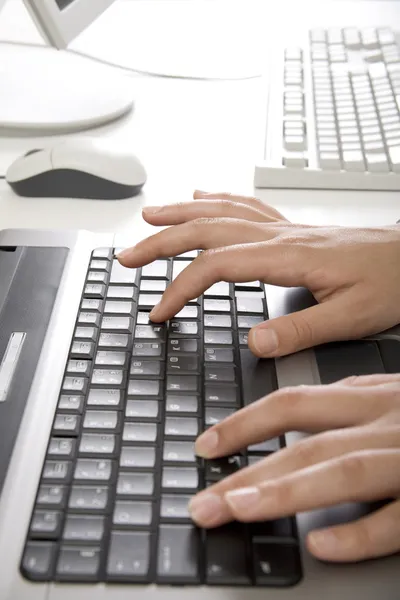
[
  {"x": 307, "y": 408},
  {"x": 239, "y": 263},
  {"x": 172, "y": 214},
  {"x": 249, "y": 200},
  {"x": 333, "y": 320},
  {"x": 373, "y": 536},
  {"x": 361, "y": 476},
  {"x": 198, "y": 234},
  {"x": 368, "y": 380},
  {"x": 311, "y": 451}
]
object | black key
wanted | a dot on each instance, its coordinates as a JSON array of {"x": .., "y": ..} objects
[
  {"x": 38, "y": 561},
  {"x": 143, "y": 387},
  {"x": 79, "y": 367},
  {"x": 338, "y": 361},
  {"x": 243, "y": 338},
  {"x": 248, "y": 321},
  {"x": 104, "y": 397},
  {"x": 226, "y": 556},
  {"x": 52, "y": 496},
  {"x": 182, "y": 363},
  {"x": 175, "y": 506},
  {"x": 120, "y": 324},
  {"x": 78, "y": 563},
  {"x": 222, "y": 467},
  {"x": 218, "y": 355},
  {"x": 135, "y": 484},
  {"x": 46, "y": 524},
  {"x": 390, "y": 354},
  {"x": 57, "y": 470},
  {"x": 181, "y": 427},
  {"x": 156, "y": 269},
  {"x": 148, "y": 349},
  {"x": 179, "y": 452},
  {"x": 221, "y": 395},
  {"x": 97, "y": 443},
  {"x": 280, "y": 528},
  {"x": 93, "y": 470},
  {"x": 215, "y": 415},
  {"x": 266, "y": 447},
  {"x": 101, "y": 419},
  {"x": 178, "y": 554},
  {"x": 250, "y": 286},
  {"x": 129, "y": 555},
  {"x": 182, "y": 346},
  {"x": 153, "y": 285},
  {"x": 110, "y": 377},
  {"x": 245, "y": 304},
  {"x": 82, "y": 350},
  {"x": 140, "y": 432},
  {"x": 217, "y": 321},
  {"x": 71, "y": 403},
  {"x": 147, "y": 409},
  {"x": 108, "y": 358},
  {"x": 114, "y": 340},
  {"x": 83, "y": 528},
  {"x": 133, "y": 513},
  {"x": 183, "y": 328},
  {"x": 214, "y": 305},
  {"x": 137, "y": 456},
  {"x": 276, "y": 564},
  {"x": 180, "y": 404},
  {"x": 220, "y": 374},
  {"x": 188, "y": 312},
  {"x": 213, "y": 336},
  {"x": 150, "y": 332},
  {"x": 146, "y": 367},
  {"x": 92, "y": 499},
  {"x": 175, "y": 478},
  {"x": 75, "y": 384},
  {"x": 258, "y": 376},
  {"x": 64, "y": 447},
  {"x": 182, "y": 383}
]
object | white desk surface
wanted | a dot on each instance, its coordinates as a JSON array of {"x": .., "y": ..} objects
[{"x": 189, "y": 134}]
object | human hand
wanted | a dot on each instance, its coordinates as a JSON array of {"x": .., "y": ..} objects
[
  {"x": 353, "y": 273},
  {"x": 358, "y": 459}
]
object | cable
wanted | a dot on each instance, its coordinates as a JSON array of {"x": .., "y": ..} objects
[{"x": 130, "y": 69}]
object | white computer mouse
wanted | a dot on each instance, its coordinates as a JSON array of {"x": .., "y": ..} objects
[{"x": 86, "y": 168}]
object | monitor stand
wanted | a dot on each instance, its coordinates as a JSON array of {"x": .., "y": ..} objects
[{"x": 46, "y": 91}]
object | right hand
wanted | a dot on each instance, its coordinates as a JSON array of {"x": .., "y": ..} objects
[{"x": 353, "y": 273}]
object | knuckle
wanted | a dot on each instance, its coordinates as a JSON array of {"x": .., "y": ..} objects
[
  {"x": 300, "y": 329},
  {"x": 288, "y": 399},
  {"x": 352, "y": 469}
]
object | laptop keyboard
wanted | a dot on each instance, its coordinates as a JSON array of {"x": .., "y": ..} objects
[{"x": 120, "y": 466}]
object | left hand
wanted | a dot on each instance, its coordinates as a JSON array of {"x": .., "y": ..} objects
[{"x": 354, "y": 456}]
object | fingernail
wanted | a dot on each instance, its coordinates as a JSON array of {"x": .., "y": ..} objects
[
  {"x": 154, "y": 311},
  {"x": 207, "y": 443},
  {"x": 265, "y": 340},
  {"x": 151, "y": 210},
  {"x": 201, "y": 192},
  {"x": 205, "y": 509},
  {"x": 243, "y": 499},
  {"x": 323, "y": 541},
  {"x": 124, "y": 253}
]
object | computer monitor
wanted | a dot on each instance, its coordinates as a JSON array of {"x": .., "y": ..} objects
[{"x": 47, "y": 90}]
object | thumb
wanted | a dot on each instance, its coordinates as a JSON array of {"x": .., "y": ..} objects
[{"x": 332, "y": 321}]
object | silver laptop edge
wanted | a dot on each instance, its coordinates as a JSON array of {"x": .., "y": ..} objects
[{"x": 364, "y": 581}]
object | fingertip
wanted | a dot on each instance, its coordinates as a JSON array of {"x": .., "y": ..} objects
[
  {"x": 206, "y": 445},
  {"x": 323, "y": 544},
  {"x": 263, "y": 342}
]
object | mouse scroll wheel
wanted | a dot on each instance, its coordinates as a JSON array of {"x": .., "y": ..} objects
[{"x": 33, "y": 151}]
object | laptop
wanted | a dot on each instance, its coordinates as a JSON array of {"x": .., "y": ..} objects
[{"x": 99, "y": 410}]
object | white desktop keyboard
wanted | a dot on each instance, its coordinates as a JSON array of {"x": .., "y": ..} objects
[{"x": 333, "y": 112}]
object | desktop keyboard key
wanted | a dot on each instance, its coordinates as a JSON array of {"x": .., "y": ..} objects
[
  {"x": 73, "y": 403},
  {"x": 222, "y": 467},
  {"x": 113, "y": 340},
  {"x": 121, "y": 292},
  {"x": 182, "y": 346},
  {"x": 82, "y": 349},
  {"x": 120, "y": 324},
  {"x": 97, "y": 277},
  {"x": 218, "y": 355},
  {"x": 146, "y": 367},
  {"x": 215, "y": 415},
  {"x": 89, "y": 318},
  {"x": 148, "y": 349},
  {"x": 100, "y": 419},
  {"x": 181, "y": 404},
  {"x": 220, "y": 289},
  {"x": 97, "y": 443},
  {"x": 104, "y": 397},
  {"x": 80, "y": 563},
  {"x": 46, "y": 524},
  {"x": 279, "y": 528},
  {"x": 140, "y": 432},
  {"x": 243, "y": 338},
  {"x": 52, "y": 496},
  {"x": 226, "y": 556},
  {"x": 156, "y": 269},
  {"x": 266, "y": 447},
  {"x": 66, "y": 424},
  {"x": 83, "y": 528},
  {"x": 182, "y": 363},
  {"x": 146, "y": 409},
  {"x": 149, "y": 300},
  {"x": 178, "y": 554},
  {"x": 111, "y": 377},
  {"x": 129, "y": 555},
  {"x": 213, "y": 336},
  {"x": 93, "y": 470},
  {"x": 245, "y": 304},
  {"x": 153, "y": 285},
  {"x": 225, "y": 374},
  {"x": 81, "y": 367},
  {"x": 217, "y": 321},
  {"x": 87, "y": 498},
  {"x": 118, "y": 307},
  {"x": 214, "y": 305},
  {"x": 64, "y": 447},
  {"x": 133, "y": 513},
  {"x": 95, "y": 290},
  {"x": 137, "y": 456},
  {"x": 105, "y": 253},
  {"x": 276, "y": 564},
  {"x": 188, "y": 312},
  {"x": 221, "y": 395},
  {"x": 38, "y": 560},
  {"x": 247, "y": 322},
  {"x": 144, "y": 387},
  {"x": 92, "y": 304},
  {"x": 179, "y": 452},
  {"x": 180, "y": 478},
  {"x": 57, "y": 470},
  {"x": 99, "y": 265},
  {"x": 75, "y": 384},
  {"x": 183, "y": 383},
  {"x": 122, "y": 275},
  {"x": 108, "y": 358},
  {"x": 150, "y": 332},
  {"x": 175, "y": 506},
  {"x": 184, "y": 328},
  {"x": 135, "y": 484},
  {"x": 181, "y": 427}
]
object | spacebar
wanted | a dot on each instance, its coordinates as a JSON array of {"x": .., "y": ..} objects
[{"x": 258, "y": 376}]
